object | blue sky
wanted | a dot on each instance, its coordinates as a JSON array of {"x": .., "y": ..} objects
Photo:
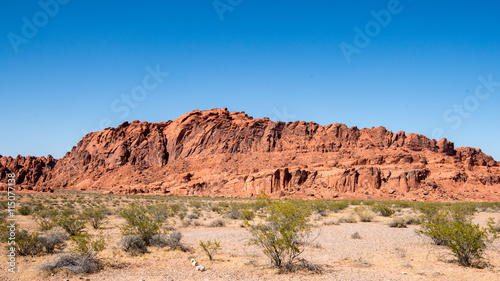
[{"x": 431, "y": 69}]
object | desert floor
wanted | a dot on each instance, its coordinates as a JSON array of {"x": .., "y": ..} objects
[{"x": 382, "y": 253}]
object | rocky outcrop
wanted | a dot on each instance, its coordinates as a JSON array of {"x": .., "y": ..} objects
[
  {"x": 31, "y": 172},
  {"x": 222, "y": 153}
]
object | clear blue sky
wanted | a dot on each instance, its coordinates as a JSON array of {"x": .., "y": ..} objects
[{"x": 418, "y": 73}]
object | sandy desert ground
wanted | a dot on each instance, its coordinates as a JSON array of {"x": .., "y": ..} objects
[{"x": 382, "y": 253}]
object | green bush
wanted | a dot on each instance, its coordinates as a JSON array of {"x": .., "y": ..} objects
[
  {"x": 210, "y": 248},
  {"x": 46, "y": 218},
  {"x": 464, "y": 238},
  {"x": 88, "y": 246},
  {"x": 25, "y": 210},
  {"x": 279, "y": 238},
  {"x": 429, "y": 209},
  {"x": 247, "y": 215},
  {"x": 28, "y": 244},
  {"x": 95, "y": 216},
  {"x": 337, "y": 206},
  {"x": 140, "y": 223},
  {"x": 384, "y": 210},
  {"x": 71, "y": 221}
]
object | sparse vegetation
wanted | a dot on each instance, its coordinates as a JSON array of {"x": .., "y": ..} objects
[
  {"x": 83, "y": 258},
  {"x": 356, "y": 235},
  {"x": 217, "y": 223},
  {"x": 28, "y": 244},
  {"x": 210, "y": 248},
  {"x": 25, "y": 210},
  {"x": 384, "y": 210},
  {"x": 285, "y": 226},
  {"x": 365, "y": 214},
  {"x": 53, "y": 240},
  {"x": 349, "y": 218},
  {"x": 134, "y": 245},
  {"x": 172, "y": 240},
  {"x": 95, "y": 216},
  {"x": 45, "y": 218},
  {"x": 157, "y": 217},
  {"x": 456, "y": 231},
  {"x": 139, "y": 223},
  {"x": 247, "y": 215},
  {"x": 70, "y": 221}
]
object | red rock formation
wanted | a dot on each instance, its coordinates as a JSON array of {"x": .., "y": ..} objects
[{"x": 222, "y": 153}]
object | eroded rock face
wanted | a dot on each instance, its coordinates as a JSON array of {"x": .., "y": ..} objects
[
  {"x": 222, "y": 153},
  {"x": 31, "y": 172}
]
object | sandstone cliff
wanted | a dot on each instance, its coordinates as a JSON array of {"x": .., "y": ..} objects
[{"x": 222, "y": 153}]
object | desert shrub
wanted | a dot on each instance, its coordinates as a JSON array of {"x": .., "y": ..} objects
[
  {"x": 234, "y": 215},
  {"x": 461, "y": 211},
  {"x": 177, "y": 207},
  {"x": 217, "y": 209},
  {"x": 464, "y": 238},
  {"x": 384, "y": 210},
  {"x": 182, "y": 215},
  {"x": 217, "y": 223},
  {"x": 45, "y": 218},
  {"x": 139, "y": 222},
  {"x": 83, "y": 257},
  {"x": 247, "y": 215},
  {"x": 356, "y": 235},
  {"x": 134, "y": 244},
  {"x": 72, "y": 263},
  {"x": 193, "y": 216},
  {"x": 172, "y": 240},
  {"x": 25, "y": 210},
  {"x": 262, "y": 201},
  {"x": 88, "y": 246},
  {"x": 337, "y": 206},
  {"x": 186, "y": 223},
  {"x": 317, "y": 217},
  {"x": 210, "y": 248},
  {"x": 27, "y": 244},
  {"x": 349, "y": 218},
  {"x": 72, "y": 222},
  {"x": 285, "y": 225},
  {"x": 160, "y": 212},
  {"x": 364, "y": 213},
  {"x": 53, "y": 240},
  {"x": 330, "y": 222},
  {"x": 196, "y": 204},
  {"x": 319, "y": 206},
  {"x": 429, "y": 209},
  {"x": 398, "y": 222},
  {"x": 95, "y": 216}
]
